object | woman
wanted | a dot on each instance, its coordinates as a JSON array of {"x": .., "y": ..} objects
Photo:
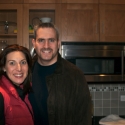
[{"x": 15, "y": 65}]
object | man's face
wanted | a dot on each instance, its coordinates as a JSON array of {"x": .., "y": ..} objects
[{"x": 46, "y": 46}]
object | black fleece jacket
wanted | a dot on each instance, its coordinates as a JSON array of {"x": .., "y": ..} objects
[{"x": 68, "y": 100}]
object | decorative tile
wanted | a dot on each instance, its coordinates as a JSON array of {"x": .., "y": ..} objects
[{"x": 107, "y": 99}]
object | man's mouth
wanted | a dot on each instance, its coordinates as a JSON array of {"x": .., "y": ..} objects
[{"x": 46, "y": 50}]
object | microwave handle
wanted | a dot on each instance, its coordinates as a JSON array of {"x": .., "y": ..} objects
[{"x": 122, "y": 65}]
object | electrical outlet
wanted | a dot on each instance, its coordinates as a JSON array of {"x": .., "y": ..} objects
[{"x": 122, "y": 97}]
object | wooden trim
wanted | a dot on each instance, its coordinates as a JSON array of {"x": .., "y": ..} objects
[
  {"x": 9, "y": 6},
  {"x": 80, "y": 1},
  {"x": 42, "y": 1},
  {"x": 11, "y": 1},
  {"x": 42, "y": 6},
  {"x": 19, "y": 24},
  {"x": 25, "y": 25},
  {"x": 58, "y": 18},
  {"x": 112, "y": 1}
]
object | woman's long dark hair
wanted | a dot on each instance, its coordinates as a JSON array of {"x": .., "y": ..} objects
[{"x": 25, "y": 51}]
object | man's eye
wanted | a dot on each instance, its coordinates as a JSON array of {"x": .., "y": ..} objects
[
  {"x": 41, "y": 40},
  {"x": 51, "y": 40}
]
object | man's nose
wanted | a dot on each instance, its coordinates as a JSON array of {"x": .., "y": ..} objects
[{"x": 46, "y": 44}]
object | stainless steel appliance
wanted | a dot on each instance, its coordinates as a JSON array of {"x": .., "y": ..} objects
[{"x": 99, "y": 61}]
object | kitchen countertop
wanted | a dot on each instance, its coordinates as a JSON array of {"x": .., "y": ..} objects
[{"x": 96, "y": 119}]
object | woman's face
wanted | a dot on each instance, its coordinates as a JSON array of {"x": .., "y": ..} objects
[{"x": 16, "y": 67}]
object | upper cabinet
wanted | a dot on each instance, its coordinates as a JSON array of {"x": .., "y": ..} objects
[
  {"x": 11, "y": 1},
  {"x": 11, "y": 23},
  {"x": 79, "y": 22},
  {"x": 31, "y": 17},
  {"x": 112, "y": 22}
]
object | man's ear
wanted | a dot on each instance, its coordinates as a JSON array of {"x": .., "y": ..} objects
[
  {"x": 59, "y": 43},
  {"x": 33, "y": 42}
]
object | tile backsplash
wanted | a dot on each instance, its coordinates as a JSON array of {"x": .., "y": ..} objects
[{"x": 108, "y": 99}]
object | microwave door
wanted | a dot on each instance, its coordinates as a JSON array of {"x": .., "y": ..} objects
[
  {"x": 98, "y": 65},
  {"x": 90, "y": 53}
]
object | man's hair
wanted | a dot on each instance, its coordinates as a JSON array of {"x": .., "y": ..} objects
[{"x": 46, "y": 25}]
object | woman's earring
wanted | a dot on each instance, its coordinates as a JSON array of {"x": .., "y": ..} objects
[{"x": 4, "y": 70}]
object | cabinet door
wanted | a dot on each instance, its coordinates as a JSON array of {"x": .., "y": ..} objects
[
  {"x": 79, "y": 22},
  {"x": 112, "y": 23},
  {"x": 32, "y": 15},
  {"x": 11, "y": 1},
  {"x": 11, "y": 23}
]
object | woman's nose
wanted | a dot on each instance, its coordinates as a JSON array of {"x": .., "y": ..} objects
[{"x": 19, "y": 67}]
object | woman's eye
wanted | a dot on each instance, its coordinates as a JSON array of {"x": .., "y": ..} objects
[
  {"x": 12, "y": 63},
  {"x": 24, "y": 62}
]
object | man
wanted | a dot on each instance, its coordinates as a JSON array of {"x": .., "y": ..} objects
[{"x": 61, "y": 95}]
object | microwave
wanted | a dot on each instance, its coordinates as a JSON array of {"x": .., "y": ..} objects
[{"x": 98, "y": 61}]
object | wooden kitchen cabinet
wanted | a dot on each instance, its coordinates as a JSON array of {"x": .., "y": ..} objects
[
  {"x": 79, "y": 1},
  {"x": 112, "y": 1},
  {"x": 11, "y": 23},
  {"x": 42, "y": 1},
  {"x": 79, "y": 22},
  {"x": 112, "y": 22},
  {"x": 11, "y": 1},
  {"x": 32, "y": 14}
]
